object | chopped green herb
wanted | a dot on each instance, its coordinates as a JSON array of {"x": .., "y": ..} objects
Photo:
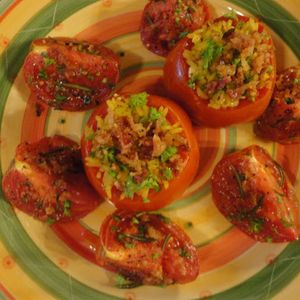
[
  {"x": 183, "y": 34},
  {"x": 110, "y": 154},
  {"x": 289, "y": 101},
  {"x": 155, "y": 255},
  {"x": 149, "y": 183},
  {"x": 188, "y": 225},
  {"x": 116, "y": 218},
  {"x": 137, "y": 237},
  {"x": 129, "y": 245},
  {"x": 30, "y": 78},
  {"x": 76, "y": 86},
  {"x": 154, "y": 114},
  {"x": 90, "y": 77},
  {"x": 296, "y": 80},
  {"x": 43, "y": 74},
  {"x": 286, "y": 223},
  {"x": 113, "y": 173},
  {"x": 60, "y": 98},
  {"x": 138, "y": 100},
  {"x": 90, "y": 137},
  {"x": 168, "y": 153},
  {"x": 114, "y": 228},
  {"x": 192, "y": 83},
  {"x": 50, "y": 221},
  {"x": 86, "y": 100},
  {"x": 239, "y": 179},
  {"x": 164, "y": 218},
  {"x": 135, "y": 220},
  {"x": 177, "y": 20},
  {"x": 281, "y": 174},
  {"x": 62, "y": 121},
  {"x": 48, "y": 61},
  {"x": 269, "y": 239},
  {"x": 256, "y": 225},
  {"x": 183, "y": 252},
  {"x": 231, "y": 15},
  {"x": 166, "y": 241},
  {"x": 168, "y": 173},
  {"x": 146, "y": 200},
  {"x": 67, "y": 208},
  {"x": 124, "y": 283},
  {"x": 211, "y": 53},
  {"x": 130, "y": 187},
  {"x": 269, "y": 69}
]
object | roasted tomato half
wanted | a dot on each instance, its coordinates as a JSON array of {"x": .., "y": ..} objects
[
  {"x": 140, "y": 151},
  {"x": 71, "y": 75},
  {"x": 281, "y": 120},
  {"x": 47, "y": 181},
  {"x": 253, "y": 192},
  {"x": 165, "y": 22},
  {"x": 223, "y": 73},
  {"x": 146, "y": 248}
]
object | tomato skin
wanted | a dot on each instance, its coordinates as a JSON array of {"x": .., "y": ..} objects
[
  {"x": 44, "y": 176},
  {"x": 176, "y": 83},
  {"x": 281, "y": 120},
  {"x": 146, "y": 248},
  {"x": 161, "y": 27},
  {"x": 70, "y": 75},
  {"x": 176, "y": 186},
  {"x": 252, "y": 191}
]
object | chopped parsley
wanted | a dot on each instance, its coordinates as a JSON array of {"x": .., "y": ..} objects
[
  {"x": 67, "y": 208},
  {"x": 289, "y": 100},
  {"x": 168, "y": 173},
  {"x": 168, "y": 154},
  {"x": 138, "y": 100},
  {"x": 154, "y": 114},
  {"x": 211, "y": 53},
  {"x": 256, "y": 225},
  {"x": 183, "y": 34},
  {"x": 48, "y": 61},
  {"x": 43, "y": 74},
  {"x": 231, "y": 15}
]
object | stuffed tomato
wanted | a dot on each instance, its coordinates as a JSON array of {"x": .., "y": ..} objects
[
  {"x": 165, "y": 22},
  {"x": 140, "y": 151},
  {"x": 69, "y": 74},
  {"x": 223, "y": 73},
  {"x": 281, "y": 120},
  {"x": 47, "y": 181},
  {"x": 146, "y": 248}
]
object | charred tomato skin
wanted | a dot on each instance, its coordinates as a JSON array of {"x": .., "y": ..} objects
[
  {"x": 47, "y": 181},
  {"x": 176, "y": 78},
  {"x": 69, "y": 74},
  {"x": 146, "y": 248},
  {"x": 253, "y": 192},
  {"x": 281, "y": 120},
  {"x": 164, "y": 23},
  {"x": 176, "y": 186}
]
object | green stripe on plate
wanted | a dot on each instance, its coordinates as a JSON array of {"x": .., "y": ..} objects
[
  {"x": 4, "y": 5},
  {"x": 265, "y": 283},
  {"x": 2, "y": 297}
]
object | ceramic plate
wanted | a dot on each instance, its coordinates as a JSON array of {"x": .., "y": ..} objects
[{"x": 38, "y": 262}]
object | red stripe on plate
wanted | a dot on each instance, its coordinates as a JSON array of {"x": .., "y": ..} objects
[{"x": 9, "y": 9}]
